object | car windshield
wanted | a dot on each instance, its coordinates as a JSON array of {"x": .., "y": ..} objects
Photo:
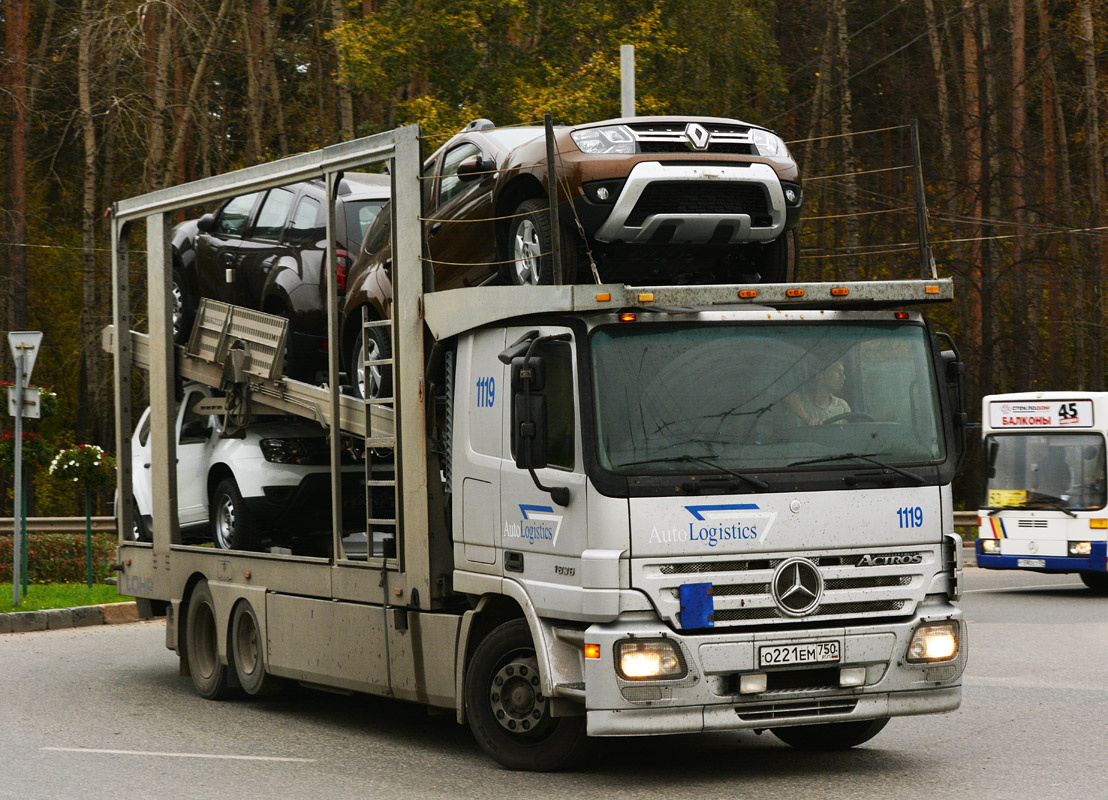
[
  {"x": 758, "y": 397},
  {"x": 1045, "y": 470}
]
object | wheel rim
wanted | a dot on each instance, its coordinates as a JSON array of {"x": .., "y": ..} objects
[
  {"x": 225, "y": 521},
  {"x": 527, "y": 253},
  {"x": 368, "y": 380},
  {"x": 178, "y": 306},
  {"x": 516, "y": 698},
  {"x": 247, "y": 655}
]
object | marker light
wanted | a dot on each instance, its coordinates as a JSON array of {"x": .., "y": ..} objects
[
  {"x": 652, "y": 660},
  {"x": 934, "y": 642},
  {"x": 931, "y": 289},
  {"x": 1098, "y": 523},
  {"x": 839, "y": 291},
  {"x": 748, "y": 294},
  {"x": 1080, "y": 549},
  {"x": 900, "y": 315},
  {"x": 990, "y": 545},
  {"x": 628, "y": 316},
  {"x": 603, "y": 297},
  {"x": 646, "y": 297},
  {"x": 592, "y": 651},
  {"x": 794, "y": 293}
]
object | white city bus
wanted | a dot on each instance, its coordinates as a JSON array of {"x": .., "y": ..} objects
[{"x": 1045, "y": 492}]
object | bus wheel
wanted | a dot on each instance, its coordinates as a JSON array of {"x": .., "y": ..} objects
[
  {"x": 832, "y": 736},
  {"x": 209, "y": 674},
  {"x": 509, "y": 715},
  {"x": 1097, "y": 581},
  {"x": 247, "y": 653}
]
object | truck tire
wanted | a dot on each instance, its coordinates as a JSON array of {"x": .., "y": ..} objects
[
  {"x": 832, "y": 736},
  {"x": 509, "y": 716},
  {"x": 530, "y": 245},
  {"x": 248, "y": 654},
  {"x": 209, "y": 674},
  {"x": 1097, "y": 581},
  {"x": 233, "y": 526}
]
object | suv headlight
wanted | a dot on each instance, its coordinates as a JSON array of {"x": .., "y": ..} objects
[
  {"x": 295, "y": 451},
  {"x": 768, "y": 144},
  {"x": 609, "y": 139}
]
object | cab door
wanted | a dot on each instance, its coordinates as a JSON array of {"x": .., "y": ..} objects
[{"x": 542, "y": 541}]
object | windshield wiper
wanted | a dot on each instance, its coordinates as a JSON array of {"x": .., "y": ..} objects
[
  {"x": 863, "y": 457},
  {"x": 757, "y": 482},
  {"x": 1034, "y": 504}
]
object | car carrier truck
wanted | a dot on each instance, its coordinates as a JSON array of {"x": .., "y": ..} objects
[
  {"x": 1045, "y": 492},
  {"x": 591, "y": 510}
]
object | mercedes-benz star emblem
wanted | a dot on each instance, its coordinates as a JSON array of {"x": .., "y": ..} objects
[
  {"x": 797, "y": 586},
  {"x": 698, "y": 136}
]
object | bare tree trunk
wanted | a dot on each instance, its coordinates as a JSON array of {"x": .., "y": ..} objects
[
  {"x": 159, "y": 41},
  {"x": 45, "y": 41},
  {"x": 973, "y": 172},
  {"x": 274, "y": 83},
  {"x": 846, "y": 128},
  {"x": 255, "y": 109},
  {"x": 346, "y": 100},
  {"x": 815, "y": 150},
  {"x": 1026, "y": 282},
  {"x": 88, "y": 218},
  {"x": 1096, "y": 195},
  {"x": 14, "y": 287},
  {"x": 943, "y": 93},
  {"x": 194, "y": 91}
]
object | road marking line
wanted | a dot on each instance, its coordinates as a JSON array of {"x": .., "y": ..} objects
[
  {"x": 1027, "y": 586},
  {"x": 173, "y": 755}
]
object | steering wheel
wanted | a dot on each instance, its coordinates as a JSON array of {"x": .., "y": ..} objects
[{"x": 849, "y": 416}]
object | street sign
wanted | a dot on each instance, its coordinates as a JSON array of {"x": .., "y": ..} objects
[
  {"x": 31, "y": 402},
  {"x": 26, "y": 344}
]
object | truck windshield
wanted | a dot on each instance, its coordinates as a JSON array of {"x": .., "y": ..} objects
[
  {"x": 1045, "y": 470},
  {"x": 758, "y": 397}
]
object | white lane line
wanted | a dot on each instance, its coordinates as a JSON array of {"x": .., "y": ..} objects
[
  {"x": 1024, "y": 586},
  {"x": 173, "y": 755}
]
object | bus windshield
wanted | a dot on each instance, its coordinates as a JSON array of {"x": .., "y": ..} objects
[
  {"x": 1045, "y": 470},
  {"x": 761, "y": 397}
]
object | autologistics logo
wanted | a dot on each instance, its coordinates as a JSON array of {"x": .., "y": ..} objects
[
  {"x": 713, "y": 525},
  {"x": 537, "y": 524}
]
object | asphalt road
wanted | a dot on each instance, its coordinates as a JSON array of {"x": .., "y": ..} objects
[{"x": 102, "y": 713}]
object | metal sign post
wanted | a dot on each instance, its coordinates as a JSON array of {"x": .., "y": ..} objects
[{"x": 24, "y": 345}]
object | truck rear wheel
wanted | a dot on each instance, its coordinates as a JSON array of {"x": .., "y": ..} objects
[
  {"x": 509, "y": 715},
  {"x": 248, "y": 654},
  {"x": 209, "y": 674},
  {"x": 832, "y": 736}
]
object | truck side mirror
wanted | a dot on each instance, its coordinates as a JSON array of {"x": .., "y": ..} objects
[
  {"x": 953, "y": 370},
  {"x": 529, "y": 411}
]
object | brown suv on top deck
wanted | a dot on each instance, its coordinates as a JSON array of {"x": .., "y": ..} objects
[{"x": 669, "y": 199}]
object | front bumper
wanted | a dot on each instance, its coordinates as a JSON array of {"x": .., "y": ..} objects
[
  {"x": 708, "y": 697},
  {"x": 1097, "y": 560},
  {"x": 306, "y": 507}
]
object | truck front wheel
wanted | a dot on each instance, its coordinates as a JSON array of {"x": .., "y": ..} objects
[
  {"x": 832, "y": 736},
  {"x": 209, "y": 674},
  {"x": 507, "y": 711}
]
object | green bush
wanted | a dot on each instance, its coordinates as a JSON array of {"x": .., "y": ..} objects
[{"x": 60, "y": 557}]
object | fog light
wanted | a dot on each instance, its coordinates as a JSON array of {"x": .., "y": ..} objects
[
  {"x": 990, "y": 545},
  {"x": 935, "y": 642},
  {"x": 752, "y": 684},
  {"x": 852, "y": 676},
  {"x": 602, "y": 193},
  {"x": 791, "y": 196},
  {"x": 1081, "y": 549},
  {"x": 656, "y": 659}
]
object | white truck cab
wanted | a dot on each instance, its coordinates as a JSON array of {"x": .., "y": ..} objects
[{"x": 1045, "y": 490}]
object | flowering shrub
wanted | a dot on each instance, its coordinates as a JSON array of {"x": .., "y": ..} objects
[
  {"x": 36, "y": 451},
  {"x": 85, "y": 463},
  {"x": 60, "y": 557}
]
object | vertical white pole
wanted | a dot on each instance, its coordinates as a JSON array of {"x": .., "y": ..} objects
[
  {"x": 627, "y": 80},
  {"x": 17, "y": 519}
]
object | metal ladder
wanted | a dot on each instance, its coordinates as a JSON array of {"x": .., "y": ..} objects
[{"x": 383, "y": 490}]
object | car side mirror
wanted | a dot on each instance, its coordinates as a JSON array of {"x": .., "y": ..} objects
[
  {"x": 206, "y": 224},
  {"x": 475, "y": 168}
]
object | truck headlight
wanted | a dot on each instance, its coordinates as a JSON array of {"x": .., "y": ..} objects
[
  {"x": 649, "y": 660},
  {"x": 933, "y": 642},
  {"x": 1080, "y": 549},
  {"x": 607, "y": 139}
]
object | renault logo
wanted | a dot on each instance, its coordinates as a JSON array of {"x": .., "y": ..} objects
[
  {"x": 698, "y": 136},
  {"x": 797, "y": 586}
]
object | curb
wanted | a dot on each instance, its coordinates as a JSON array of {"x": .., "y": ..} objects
[{"x": 58, "y": 618}]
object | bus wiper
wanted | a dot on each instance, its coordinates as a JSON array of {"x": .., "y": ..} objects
[
  {"x": 757, "y": 482},
  {"x": 863, "y": 457},
  {"x": 1034, "y": 504}
]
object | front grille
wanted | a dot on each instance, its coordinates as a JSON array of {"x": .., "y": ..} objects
[
  {"x": 695, "y": 197},
  {"x": 731, "y": 148},
  {"x": 804, "y": 708},
  {"x": 1032, "y": 523},
  {"x": 669, "y": 137},
  {"x": 741, "y": 589}
]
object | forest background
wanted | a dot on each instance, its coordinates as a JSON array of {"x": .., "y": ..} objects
[{"x": 106, "y": 99}]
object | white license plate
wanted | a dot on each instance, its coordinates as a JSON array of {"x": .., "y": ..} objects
[
  {"x": 1031, "y": 562},
  {"x": 809, "y": 653}
]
